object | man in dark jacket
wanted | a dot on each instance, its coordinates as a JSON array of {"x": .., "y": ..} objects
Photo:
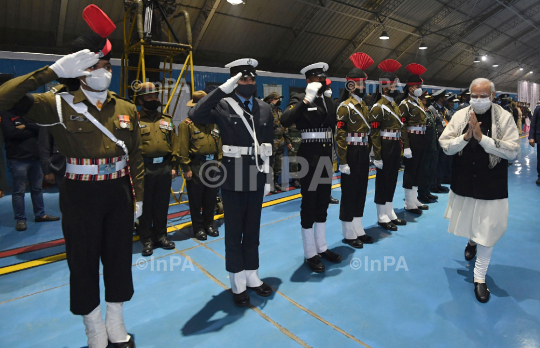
[
  {"x": 53, "y": 164},
  {"x": 23, "y": 160},
  {"x": 534, "y": 137}
]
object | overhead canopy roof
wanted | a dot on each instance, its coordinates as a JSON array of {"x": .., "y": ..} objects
[{"x": 286, "y": 35}]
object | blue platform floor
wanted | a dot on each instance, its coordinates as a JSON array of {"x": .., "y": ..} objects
[{"x": 412, "y": 288}]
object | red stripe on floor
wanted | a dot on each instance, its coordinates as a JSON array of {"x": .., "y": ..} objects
[{"x": 30, "y": 248}]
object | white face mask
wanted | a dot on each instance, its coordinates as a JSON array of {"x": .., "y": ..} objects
[
  {"x": 480, "y": 105},
  {"x": 100, "y": 79},
  {"x": 328, "y": 93},
  {"x": 418, "y": 92}
]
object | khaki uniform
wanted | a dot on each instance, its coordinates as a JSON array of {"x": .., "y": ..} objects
[
  {"x": 160, "y": 154},
  {"x": 199, "y": 143},
  {"x": 97, "y": 214},
  {"x": 353, "y": 123},
  {"x": 281, "y": 139},
  {"x": 413, "y": 115},
  {"x": 386, "y": 117}
]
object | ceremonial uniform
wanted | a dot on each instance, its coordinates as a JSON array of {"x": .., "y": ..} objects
[
  {"x": 386, "y": 135},
  {"x": 96, "y": 195},
  {"x": 439, "y": 112},
  {"x": 159, "y": 152},
  {"x": 353, "y": 148},
  {"x": 316, "y": 121},
  {"x": 246, "y": 127},
  {"x": 430, "y": 160},
  {"x": 199, "y": 143},
  {"x": 295, "y": 138}
]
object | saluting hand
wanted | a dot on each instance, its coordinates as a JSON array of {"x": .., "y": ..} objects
[{"x": 74, "y": 65}]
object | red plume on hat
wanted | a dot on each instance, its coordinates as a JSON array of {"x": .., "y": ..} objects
[
  {"x": 416, "y": 69},
  {"x": 361, "y": 60},
  {"x": 100, "y": 24},
  {"x": 389, "y": 65}
]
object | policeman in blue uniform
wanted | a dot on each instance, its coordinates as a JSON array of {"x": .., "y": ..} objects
[{"x": 247, "y": 133}]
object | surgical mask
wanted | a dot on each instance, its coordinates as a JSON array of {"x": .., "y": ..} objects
[
  {"x": 246, "y": 91},
  {"x": 100, "y": 79},
  {"x": 480, "y": 105},
  {"x": 151, "y": 104},
  {"x": 418, "y": 92},
  {"x": 328, "y": 93}
]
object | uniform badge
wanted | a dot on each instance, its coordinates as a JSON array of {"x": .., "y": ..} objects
[
  {"x": 143, "y": 125},
  {"x": 125, "y": 121},
  {"x": 78, "y": 118},
  {"x": 165, "y": 125},
  {"x": 215, "y": 133},
  {"x": 99, "y": 104}
]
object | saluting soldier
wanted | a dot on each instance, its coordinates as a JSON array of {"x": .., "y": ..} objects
[
  {"x": 353, "y": 150},
  {"x": 413, "y": 134},
  {"x": 315, "y": 117},
  {"x": 295, "y": 138},
  {"x": 160, "y": 161},
  {"x": 198, "y": 144},
  {"x": 281, "y": 139},
  {"x": 246, "y": 127},
  {"x": 386, "y": 128},
  {"x": 96, "y": 196}
]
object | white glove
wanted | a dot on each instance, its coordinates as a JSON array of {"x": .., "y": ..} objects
[
  {"x": 138, "y": 210},
  {"x": 229, "y": 85},
  {"x": 73, "y": 65},
  {"x": 266, "y": 189},
  {"x": 378, "y": 163},
  {"x": 407, "y": 153},
  {"x": 311, "y": 91},
  {"x": 345, "y": 169}
]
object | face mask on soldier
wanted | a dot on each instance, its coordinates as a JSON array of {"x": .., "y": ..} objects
[{"x": 100, "y": 79}]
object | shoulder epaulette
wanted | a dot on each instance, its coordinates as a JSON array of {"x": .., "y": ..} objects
[{"x": 58, "y": 89}]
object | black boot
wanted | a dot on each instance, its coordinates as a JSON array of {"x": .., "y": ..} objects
[
  {"x": 128, "y": 344},
  {"x": 399, "y": 222},
  {"x": 443, "y": 189},
  {"x": 200, "y": 235},
  {"x": 355, "y": 243},
  {"x": 423, "y": 207},
  {"x": 481, "y": 291},
  {"x": 211, "y": 231},
  {"x": 470, "y": 252},
  {"x": 388, "y": 226},
  {"x": 331, "y": 256},
  {"x": 435, "y": 189},
  {"x": 538, "y": 182},
  {"x": 424, "y": 199},
  {"x": 165, "y": 243},
  {"x": 315, "y": 264},
  {"x": 333, "y": 200},
  {"x": 366, "y": 239},
  {"x": 430, "y": 196},
  {"x": 415, "y": 211},
  {"x": 148, "y": 248},
  {"x": 241, "y": 299}
]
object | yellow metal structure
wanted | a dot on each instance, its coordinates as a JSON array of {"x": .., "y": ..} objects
[{"x": 133, "y": 20}]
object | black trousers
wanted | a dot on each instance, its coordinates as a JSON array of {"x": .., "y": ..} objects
[
  {"x": 354, "y": 185},
  {"x": 430, "y": 169},
  {"x": 386, "y": 179},
  {"x": 444, "y": 166},
  {"x": 157, "y": 191},
  {"x": 315, "y": 202},
  {"x": 97, "y": 221},
  {"x": 201, "y": 196},
  {"x": 414, "y": 167},
  {"x": 242, "y": 211}
]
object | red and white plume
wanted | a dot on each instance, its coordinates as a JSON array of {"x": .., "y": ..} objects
[
  {"x": 416, "y": 69},
  {"x": 361, "y": 60},
  {"x": 389, "y": 65},
  {"x": 98, "y": 21}
]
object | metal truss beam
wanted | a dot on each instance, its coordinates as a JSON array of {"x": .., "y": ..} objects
[{"x": 203, "y": 20}]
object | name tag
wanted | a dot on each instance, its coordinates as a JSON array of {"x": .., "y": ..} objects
[
  {"x": 196, "y": 132},
  {"x": 78, "y": 118},
  {"x": 143, "y": 126},
  {"x": 158, "y": 160},
  {"x": 312, "y": 109}
]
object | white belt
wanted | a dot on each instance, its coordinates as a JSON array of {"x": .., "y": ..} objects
[
  {"x": 357, "y": 139},
  {"x": 390, "y": 134},
  {"x": 417, "y": 128},
  {"x": 96, "y": 169},
  {"x": 316, "y": 135},
  {"x": 237, "y": 151}
]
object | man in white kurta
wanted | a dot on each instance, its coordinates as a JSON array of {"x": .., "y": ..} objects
[{"x": 482, "y": 138}]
